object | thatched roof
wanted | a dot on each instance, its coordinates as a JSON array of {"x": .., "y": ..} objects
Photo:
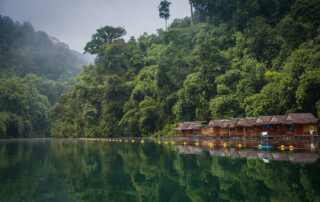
[
  {"x": 292, "y": 118},
  {"x": 263, "y": 120},
  {"x": 216, "y": 123},
  {"x": 223, "y": 123},
  {"x": 196, "y": 125},
  {"x": 279, "y": 119},
  {"x": 302, "y": 118},
  {"x": 247, "y": 122}
]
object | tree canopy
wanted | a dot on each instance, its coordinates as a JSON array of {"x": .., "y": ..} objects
[
  {"x": 238, "y": 58},
  {"x": 234, "y": 58},
  {"x": 104, "y": 35}
]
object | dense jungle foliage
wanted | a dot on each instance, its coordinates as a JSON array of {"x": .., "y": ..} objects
[
  {"x": 233, "y": 59},
  {"x": 130, "y": 173},
  {"x": 34, "y": 70}
]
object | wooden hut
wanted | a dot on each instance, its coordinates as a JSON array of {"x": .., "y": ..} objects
[
  {"x": 302, "y": 124},
  {"x": 263, "y": 124},
  {"x": 247, "y": 127},
  {"x": 214, "y": 127},
  {"x": 278, "y": 125},
  {"x": 295, "y": 124},
  {"x": 222, "y": 127},
  {"x": 232, "y": 124},
  {"x": 189, "y": 128}
]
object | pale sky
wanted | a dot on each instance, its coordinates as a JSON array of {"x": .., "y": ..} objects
[{"x": 74, "y": 21}]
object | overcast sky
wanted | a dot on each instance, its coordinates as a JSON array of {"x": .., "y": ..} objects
[{"x": 74, "y": 21}]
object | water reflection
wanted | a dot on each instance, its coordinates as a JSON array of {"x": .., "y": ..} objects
[
  {"x": 294, "y": 157},
  {"x": 70, "y": 171}
]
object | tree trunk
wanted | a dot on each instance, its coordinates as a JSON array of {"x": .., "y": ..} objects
[
  {"x": 191, "y": 10},
  {"x": 166, "y": 25}
]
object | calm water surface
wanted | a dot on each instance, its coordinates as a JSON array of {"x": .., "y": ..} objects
[{"x": 72, "y": 171}]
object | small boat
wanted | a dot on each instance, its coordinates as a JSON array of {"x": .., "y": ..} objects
[{"x": 266, "y": 160}]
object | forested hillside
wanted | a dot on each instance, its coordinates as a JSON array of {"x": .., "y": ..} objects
[
  {"x": 34, "y": 71},
  {"x": 234, "y": 58}
]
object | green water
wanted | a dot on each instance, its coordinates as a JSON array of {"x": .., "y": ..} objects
[{"x": 71, "y": 171}]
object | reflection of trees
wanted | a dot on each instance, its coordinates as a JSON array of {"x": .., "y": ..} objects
[{"x": 104, "y": 172}]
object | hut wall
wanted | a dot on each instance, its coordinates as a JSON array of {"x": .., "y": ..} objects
[
  {"x": 282, "y": 130},
  {"x": 216, "y": 131},
  {"x": 224, "y": 132},
  {"x": 259, "y": 130},
  {"x": 239, "y": 131},
  {"x": 188, "y": 132},
  {"x": 207, "y": 131},
  {"x": 233, "y": 131},
  {"x": 251, "y": 131},
  {"x": 279, "y": 130},
  {"x": 299, "y": 129},
  {"x": 274, "y": 130}
]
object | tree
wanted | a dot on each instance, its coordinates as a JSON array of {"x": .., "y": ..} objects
[
  {"x": 308, "y": 94},
  {"x": 191, "y": 12},
  {"x": 104, "y": 35},
  {"x": 225, "y": 107},
  {"x": 164, "y": 11}
]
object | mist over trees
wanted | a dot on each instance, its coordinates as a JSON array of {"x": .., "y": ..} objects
[
  {"x": 237, "y": 58},
  {"x": 34, "y": 73}
]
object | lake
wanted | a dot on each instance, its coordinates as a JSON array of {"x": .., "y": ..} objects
[{"x": 87, "y": 171}]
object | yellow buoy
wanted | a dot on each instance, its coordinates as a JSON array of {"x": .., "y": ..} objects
[
  {"x": 225, "y": 145},
  {"x": 184, "y": 143},
  {"x": 133, "y": 141},
  {"x": 142, "y": 141},
  {"x": 291, "y": 148},
  {"x": 239, "y": 145},
  {"x": 172, "y": 142},
  {"x": 196, "y": 143},
  {"x": 165, "y": 142},
  {"x": 282, "y": 147},
  {"x": 210, "y": 144}
]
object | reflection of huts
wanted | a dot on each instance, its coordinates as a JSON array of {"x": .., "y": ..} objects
[
  {"x": 303, "y": 157},
  {"x": 302, "y": 124},
  {"x": 189, "y": 128},
  {"x": 189, "y": 150}
]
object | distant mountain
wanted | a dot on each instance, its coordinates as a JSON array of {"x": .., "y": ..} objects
[{"x": 24, "y": 50}]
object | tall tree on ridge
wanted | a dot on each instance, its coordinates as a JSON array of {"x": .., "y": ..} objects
[
  {"x": 104, "y": 35},
  {"x": 191, "y": 10},
  {"x": 164, "y": 11}
]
